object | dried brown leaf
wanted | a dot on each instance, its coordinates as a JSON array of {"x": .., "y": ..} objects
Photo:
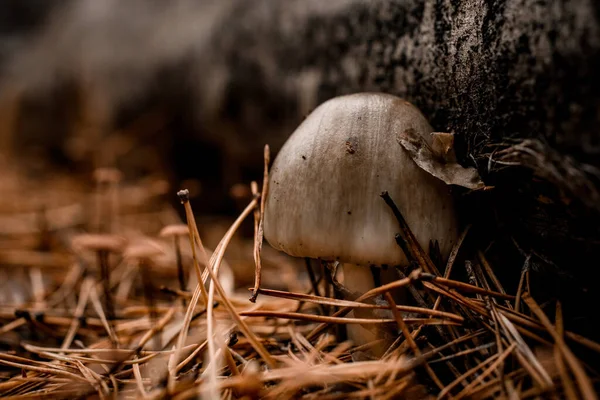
[{"x": 445, "y": 169}]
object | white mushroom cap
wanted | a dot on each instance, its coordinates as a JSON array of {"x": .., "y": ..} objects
[{"x": 325, "y": 185}]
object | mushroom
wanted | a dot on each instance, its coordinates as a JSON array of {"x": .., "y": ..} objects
[
  {"x": 107, "y": 198},
  {"x": 325, "y": 185},
  {"x": 143, "y": 251},
  {"x": 102, "y": 244},
  {"x": 177, "y": 231}
]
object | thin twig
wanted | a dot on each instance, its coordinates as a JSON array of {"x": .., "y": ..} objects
[
  {"x": 258, "y": 241},
  {"x": 585, "y": 386}
]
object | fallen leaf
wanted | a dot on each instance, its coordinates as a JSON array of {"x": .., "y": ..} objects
[{"x": 440, "y": 165}]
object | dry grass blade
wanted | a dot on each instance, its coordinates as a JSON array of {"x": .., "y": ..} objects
[
  {"x": 470, "y": 288},
  {"x": 567, "y": 382},
  {"x": 86, "y": 286},
  {"x": 583, "y": 381},
  {"x": 200, "y": 288},
  {"x": 532, "y": 364},
  {"x": 236, "y": 317},
  {"x": 139, "y": 380},
  {"x": 95, "y": 299},
  {"x": 46, "y": 370},
  {"x": 409, "y": 243},
  {"x": 258, "y": 239},
  {"x": 355, "y": 304},
  {"x": 454, "y": 251},
  {"x": 340, "y": 320},
  {"x": 446, "y": 391},
  {"x": 194, "y": 238},
  {"x": 213, "y": 269},
  {"x": 524, "y": 272},
  {"x": 486, "y": 372},
  {"x": 371, "y": 293},
  {"x": 490, "y": 272},
  {"x": 409, "y": 339}
]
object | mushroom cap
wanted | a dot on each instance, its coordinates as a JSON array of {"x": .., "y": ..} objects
[
  {"x": 174, "y": 230},
  {"x": 108, "y": 175},
  {"x": 143, "y": 249},
  {"x": 325, "y": 185},
  {"x": 98, "y": 241}
]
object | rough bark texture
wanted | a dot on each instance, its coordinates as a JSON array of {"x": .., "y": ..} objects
[
  {"x": 489, "y": 71},
  {"x": 485, "y": 70}
]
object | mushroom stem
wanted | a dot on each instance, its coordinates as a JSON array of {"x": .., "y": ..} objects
[
  {"x": 144, "y": 268},
  {"x": 102, "y": 256},
  {"x": 358, "y": 279},
  {"x": 103, "y": 263},
  {"x": 180, "y": 272},
  {"x": 176, "y": 231}
]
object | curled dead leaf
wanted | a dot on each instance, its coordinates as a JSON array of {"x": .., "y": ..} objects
[{"x": 439, "y": 160}]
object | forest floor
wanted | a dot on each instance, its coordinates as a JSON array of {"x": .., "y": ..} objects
[{"x": 99, "y": 299}]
